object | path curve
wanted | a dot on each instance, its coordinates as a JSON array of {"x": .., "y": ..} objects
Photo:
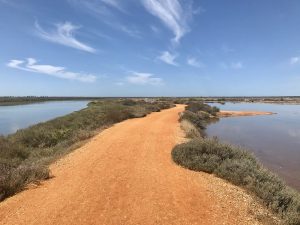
[{"x": 125, "y": 175}]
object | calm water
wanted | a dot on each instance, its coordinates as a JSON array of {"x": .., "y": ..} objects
[
  {"x": 274, "y": 139},
  {"x": 16, "y": 117}
]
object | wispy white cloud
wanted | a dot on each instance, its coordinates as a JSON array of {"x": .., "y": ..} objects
[
  {"x": 143, "y": 79},
  {"x": 104, "y": 11},
  {"x": 95, "y": 32},
  {"x": 294, "y": 60},
  {"x": 237, "y": 65},
  {"x": 57, "y": 71},
  {"x": 113, "y": 3},
  {"x": 232, "y": 65},
  {"x": 168, "y": 58},
  {"x": 155, "y": 29},
  {"x": 64, "y": 35},
  {"x": 172, "y": 14},
  {"x": 194, "y": 62},
  {"x": 100, "y": 7},
  {"x": 96, "y": 8},
  {"x": 130, "y": 31}
]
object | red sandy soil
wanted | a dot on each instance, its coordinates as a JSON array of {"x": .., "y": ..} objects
[{"x": 125, "y": 175}]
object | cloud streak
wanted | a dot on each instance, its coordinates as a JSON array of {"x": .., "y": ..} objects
[
  {"x": 194, "y": 62},
  {"x": 131, "y": 32},
  {"x": 294, "y": 60},
  {"x": 104, "y": 11},
  {"x": 171, "y": 14},
  {"x": 64, "y": 35},
  {"x": 234, "y": 65},
  {"x": 143, "y": 79},
  {"x": 168, "y": 58},
  {"x": 113, "y": 3},
  {"x": 57, "y": 71},
  {"x": 101, "y": 7}
]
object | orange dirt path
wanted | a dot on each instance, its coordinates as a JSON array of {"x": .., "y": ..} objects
[{"x": 125, "y": 175}]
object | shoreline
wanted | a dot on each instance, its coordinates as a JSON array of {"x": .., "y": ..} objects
[
  {"x": 233, "y": 163},
  {"x": 229, "y": 113}
]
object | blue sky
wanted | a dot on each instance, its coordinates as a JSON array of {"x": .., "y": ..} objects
[{"x": 149, "y": 47}]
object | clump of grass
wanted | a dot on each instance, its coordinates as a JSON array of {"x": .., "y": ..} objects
[
  {"x": 190, "y": 130},
  {"x": 199, "y": 115},
  {"x": 25, "y": 155},
  {"x": 194, "y": 118},
  {"x": 199, "y": 106},
  {"x": 240, "y": 168},
  {"x": 14, "y": 179}
]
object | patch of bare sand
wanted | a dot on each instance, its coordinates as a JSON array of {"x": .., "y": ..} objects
[{"x": 225, "y": 113}]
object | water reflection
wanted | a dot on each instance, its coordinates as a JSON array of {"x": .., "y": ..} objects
[
  {"x": 275, "y": 139},
  {"x": 16, "y": 117}
]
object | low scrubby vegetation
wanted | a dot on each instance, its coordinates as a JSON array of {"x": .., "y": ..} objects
[
  {"x": 238, "y": 166},
  {"x": 13, "y": 100},
  {"x": 25, "y": 155},
  {"x": 191, "y": 131},
  {"x": 197, "y": 107},
  {"x": 199, "y": 115},
  {"x": 223, "y": 100}
]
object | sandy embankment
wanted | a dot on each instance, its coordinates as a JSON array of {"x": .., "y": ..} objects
[{"x": 225, "y": 113}]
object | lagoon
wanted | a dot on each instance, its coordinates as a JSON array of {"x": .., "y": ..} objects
[
  {"x": 13, "y": 118},
  {"x": 274, "y": 139}
]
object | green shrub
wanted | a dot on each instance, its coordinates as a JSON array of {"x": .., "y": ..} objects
[
  {"x": 199, "y": 106},
  {"x": 194, "y": 119},
  {"x": 25, "y": 155},
  {"x": 190, "y": 130},
  {"x": 200, "y": 120},
  {"x": 13, "y": 180},
  {"x": 129, "y": 102},
  {"x": 12, "y": 150},
  {"x": 240, "y": 168},
  {"x": 165, "y": 105}
]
